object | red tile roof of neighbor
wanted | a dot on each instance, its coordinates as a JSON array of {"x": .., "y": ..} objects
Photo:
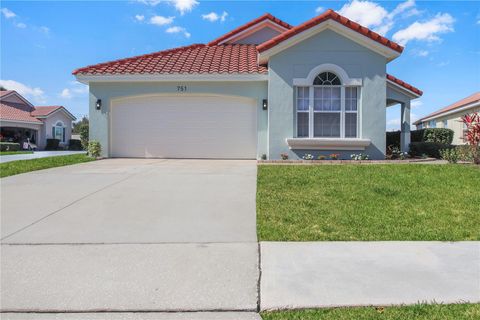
[
  {"x": 457, "y": 105},
  {"x": 226, "y": 58},
  {"x": 197, "y": 58},
  {"x": 404, "y": 84},
  {"x": 266, "y": 16},
  {"x": 16, "y": 112},
  {"x": 5, "y": 92},
  {"x": 329, "y": 14},
  {"x": 41, "y": 111}
]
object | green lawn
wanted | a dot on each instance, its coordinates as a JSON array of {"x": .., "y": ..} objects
[
  {"x": 368, "y": 202},
  {"x": 416, "y": 312},
  {"x": 7, "y": 153},
  {"x": 22, "y": 166}
]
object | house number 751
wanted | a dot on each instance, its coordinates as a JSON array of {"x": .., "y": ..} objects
[{"x": 181, "y": 88}]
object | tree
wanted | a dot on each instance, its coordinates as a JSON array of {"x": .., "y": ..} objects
[
  {"x": 472, "y": 122},
  {"x": 2, "y": 88},
  {"x": 77, "y": 125}
]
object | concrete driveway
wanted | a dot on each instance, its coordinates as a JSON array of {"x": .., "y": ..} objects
[{"x": 158, "y": 235}]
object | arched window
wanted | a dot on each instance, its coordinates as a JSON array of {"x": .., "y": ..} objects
[
  {"x": 327, "y": 79},
  {"x": 58, "y": 131},
  {"x": 326, "y": 108}
]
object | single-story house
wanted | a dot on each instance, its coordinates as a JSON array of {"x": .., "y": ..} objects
[
  {"x": 451, "y": 117},
  {"x": 22, "y": 122},
  {"x": 263, "y": 89}
]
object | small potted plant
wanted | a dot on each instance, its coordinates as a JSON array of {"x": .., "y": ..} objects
[
  {"x": 284, "y": 156},
  {"x": 334, "y": 156}
]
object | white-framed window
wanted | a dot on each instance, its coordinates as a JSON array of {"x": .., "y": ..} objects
[
  {"x": 445, "y": 123},
  {"x": 58, "y": 131},
  {"x": 327, "y": 109},
  {"x": 432, "y": 124}
]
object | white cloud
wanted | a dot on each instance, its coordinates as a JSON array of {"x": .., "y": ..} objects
[
  {"x": 182, "y": 6},
  {"x": 319, "y": 10},
  {"x": 443, "y": 64},
  {"x": 394, "y": 122},
  {"x": 177, "y": 29},
  {"x": 213, "y": 16},
  {"x": 8, "y": 13},
  {"x": 416, "y": 103},
  {"x": 420, "y": 53},
  {"x": 20, "y": 25},
  {"x": 366, "y": 13},
  {"x": 76, "y": 89},
  {"x": 66, "y": 94},
  {"x": 161, "y": 21},
  {"x": 426, "y": 31},
  {"x": 139, "y": 17},
  {"x": 36, "y": 94},
  {"x": 372, "y": 15}
]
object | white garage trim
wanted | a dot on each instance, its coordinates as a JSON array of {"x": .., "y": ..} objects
[{"x": 183, "y": 126}]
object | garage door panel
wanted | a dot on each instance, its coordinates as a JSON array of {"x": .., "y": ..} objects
[{"x": 184, "y": 127}]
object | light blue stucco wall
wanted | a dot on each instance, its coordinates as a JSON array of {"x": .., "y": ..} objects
[
  {"x": 99, "y": 119},
  {"x": 297, "y": 61}
]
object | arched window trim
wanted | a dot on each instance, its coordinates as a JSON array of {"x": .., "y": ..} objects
[
  {"x": 328, "y": 67},
  {"x": 59, "y": 131},
  {"x": 59, "y": 123}
]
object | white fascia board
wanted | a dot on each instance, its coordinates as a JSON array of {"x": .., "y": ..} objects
[
  {"x": 403, "y": 90},
  {"x": 327, "y": 143},
  {"x": 266, "y": 23},
  {"x": 21, "y": 122},
  {"x": 466, "y": 107},
  {"x": 86, "y": 79},
  {"x": 379, "y": 48}
]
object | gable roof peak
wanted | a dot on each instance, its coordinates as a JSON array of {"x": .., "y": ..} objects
[
  {"x": 263, "y": 17},
  {"x": 330, "y": 15}
]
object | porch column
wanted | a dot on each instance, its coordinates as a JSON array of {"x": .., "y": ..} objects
[{"x": 405, "y": 127}]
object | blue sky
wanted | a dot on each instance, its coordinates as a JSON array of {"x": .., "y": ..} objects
[{"x": 43, "y": 42}]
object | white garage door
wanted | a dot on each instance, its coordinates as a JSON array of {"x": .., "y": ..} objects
[{"x": 184, "y": 127}]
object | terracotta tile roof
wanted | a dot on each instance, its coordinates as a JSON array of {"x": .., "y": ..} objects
[
  {"x": 329, "y": 14},
  {"x": 16, "y": 112},
  {"x": 457, "y": 105},
  {"x": 197, "y": 58},
  {"x": 404, "y": 84},
  {"x": 266, "y": 16},
  {"x": 42, "y": 111}
]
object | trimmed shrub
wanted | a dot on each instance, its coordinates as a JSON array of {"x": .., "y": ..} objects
[
  {"x": 9, "y": 146},
  {"x": 75, "y": 144},
  {"x": 94, "y": 149},
  {"x": 417, "y": 135},
  {"x": 432, "y": 149},
  {"x": 451, "y": 155},
  {"x": 52, "y": 144},
  {"x": 438, "y": 135},
  {"x": 84, "y": 129},
  {"x": 465, "y": 153}
]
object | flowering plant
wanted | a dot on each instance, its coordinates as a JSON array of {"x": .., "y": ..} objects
[
  {"x": 307, "y": 156},
  {"x": 334, "y": 156},
  {"x": 321, "y": 157},
  {"x": 472, "y": 122},
  {"x": 284, "y": 156},
  {"x": 360, "y": 156}
]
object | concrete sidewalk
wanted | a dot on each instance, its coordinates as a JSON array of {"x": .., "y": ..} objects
[
  {"x": 325, "y": 274},
  {"x": 37, "y": 155}
]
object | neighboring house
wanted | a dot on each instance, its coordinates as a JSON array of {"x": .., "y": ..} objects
[
  {"x": 265, "y": 88},
  {"x": 22, "y": 122},
  {"x": 450, "y": 117}
]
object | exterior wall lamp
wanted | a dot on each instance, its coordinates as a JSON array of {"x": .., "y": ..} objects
[
  {"x": 265, "y": 104},
  {"x": 99, "y": 104}
]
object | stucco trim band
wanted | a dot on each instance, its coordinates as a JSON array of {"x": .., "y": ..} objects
[{"x": 327, "y": 143}]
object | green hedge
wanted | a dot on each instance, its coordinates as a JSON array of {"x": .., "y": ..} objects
[
  {"x": 9, "y": 146},
  {"x": 431, "y": 149},
  {"x": 52, "y": 144},
  {"x": 75, "y": 144}
]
